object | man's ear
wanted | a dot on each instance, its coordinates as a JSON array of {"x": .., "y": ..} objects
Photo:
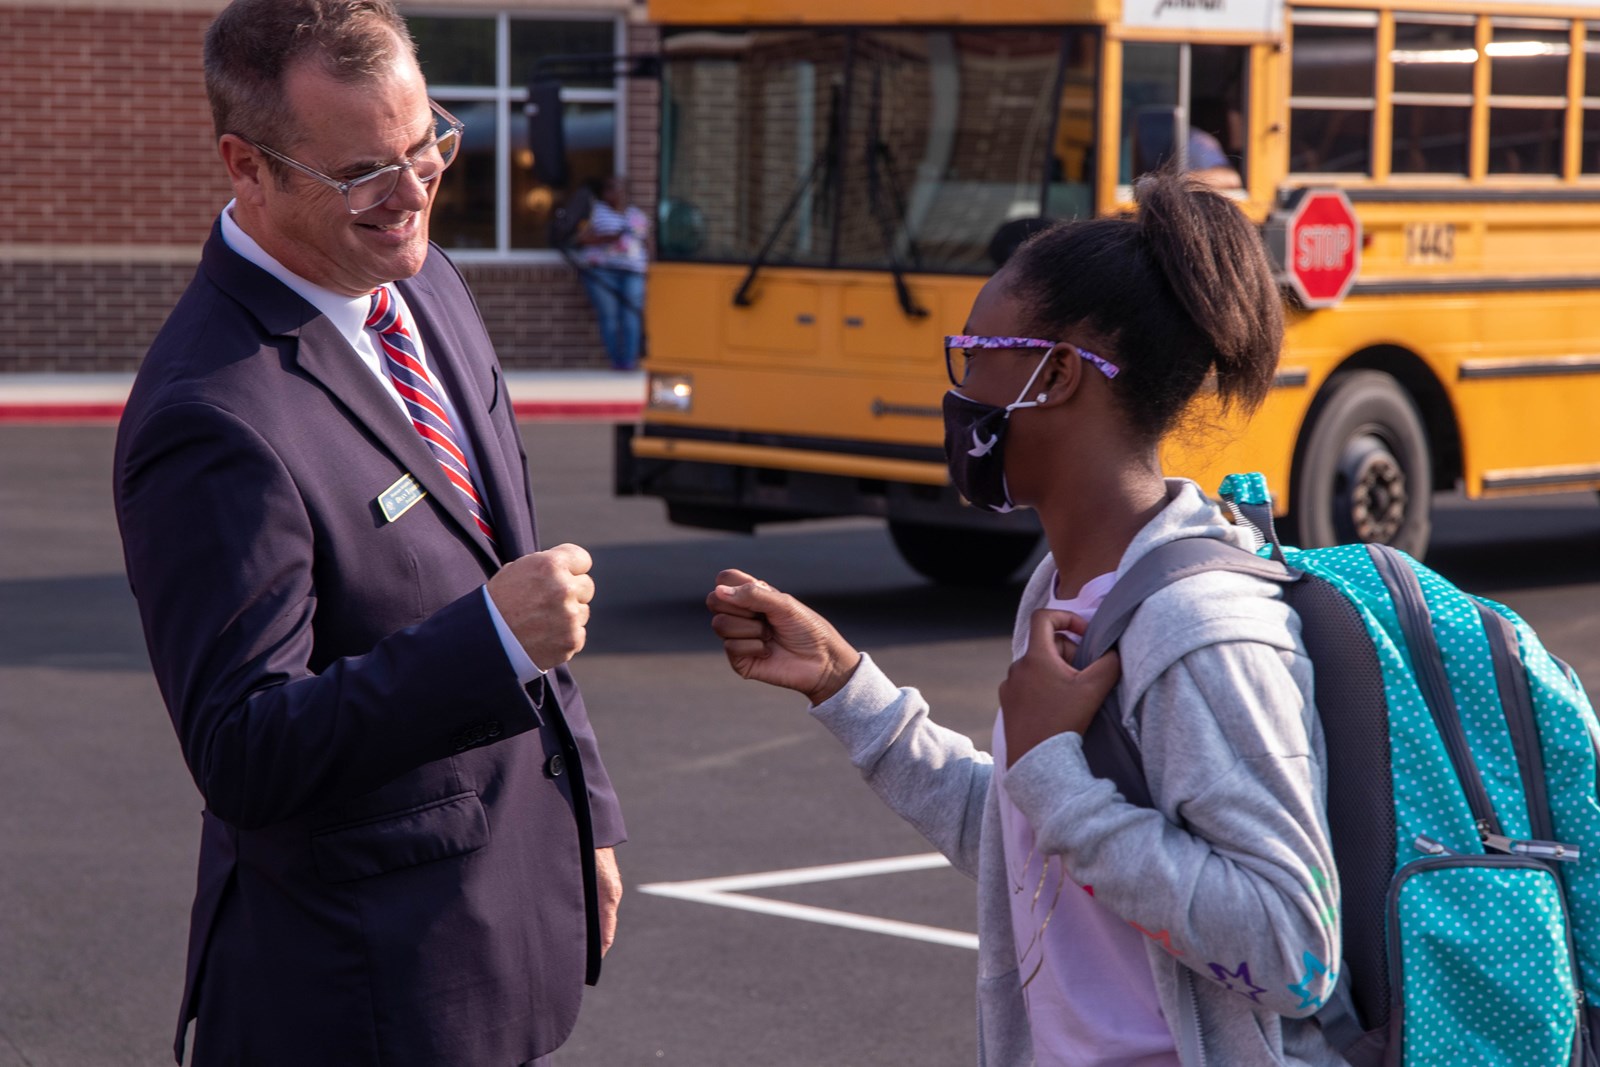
[
  {"x": 247, "y": 168},
  {"x": 1062, "y": 378}
]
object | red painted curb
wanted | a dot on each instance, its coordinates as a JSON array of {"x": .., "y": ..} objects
[
  {"x": 623, "y": 411},
  {"x": 527, "y": 409},
  {"x": 60, "y": 412}
]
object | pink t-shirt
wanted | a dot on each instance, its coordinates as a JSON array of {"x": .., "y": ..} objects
[{"x": 1091, "y": 997}]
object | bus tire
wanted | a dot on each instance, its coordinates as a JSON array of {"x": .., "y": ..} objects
[
  {"x": 1365, "y": 473},
  {"x": 962, "y": 556}
]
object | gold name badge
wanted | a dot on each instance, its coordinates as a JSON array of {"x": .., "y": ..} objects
[{"x": 400, "y": 497}]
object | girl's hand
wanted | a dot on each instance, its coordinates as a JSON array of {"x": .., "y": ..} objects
[
  {"x": 1043, "y": 694},
  {"x": 772, "y": 637}
]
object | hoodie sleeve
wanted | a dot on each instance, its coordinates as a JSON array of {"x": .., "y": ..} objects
[
  {"x": 1232, "y": 872},
  {"x": 933, "y": 777}
]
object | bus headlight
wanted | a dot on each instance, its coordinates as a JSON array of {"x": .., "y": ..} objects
[{"x": 670, "y": 392}]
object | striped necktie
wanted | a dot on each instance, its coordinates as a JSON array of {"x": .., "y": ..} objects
[{"x": 422, "y": 400}]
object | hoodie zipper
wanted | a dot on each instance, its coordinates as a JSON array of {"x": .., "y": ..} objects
[{"x": 1187, "y": 979}]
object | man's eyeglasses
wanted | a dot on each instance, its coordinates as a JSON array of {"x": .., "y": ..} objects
[
  {"x": 961, "y": 349},
  {"x": 369, "y": 190}
]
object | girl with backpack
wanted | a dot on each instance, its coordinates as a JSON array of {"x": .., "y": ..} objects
[{"x": 1203, "y": 929}]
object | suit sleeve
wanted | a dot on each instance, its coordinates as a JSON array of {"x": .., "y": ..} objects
[
  {"x": 220, "y": 551},
  {"x": 605, "y": 812}
]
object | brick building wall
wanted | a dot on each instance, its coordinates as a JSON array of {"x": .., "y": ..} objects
[{"x": 114, "y": 183}]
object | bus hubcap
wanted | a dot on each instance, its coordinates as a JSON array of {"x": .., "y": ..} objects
[{"x": 1375, "y": 491}]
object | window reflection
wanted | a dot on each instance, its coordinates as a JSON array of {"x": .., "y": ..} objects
[
  {"x": 938, "y": 141},
  {"x": 489, "y": 199},
  {"x": 454, "y": 51},
  {"x": 590, "y": 131},
  {"x": 949, "y": 134},
  {"x": 463, "y": 210}
]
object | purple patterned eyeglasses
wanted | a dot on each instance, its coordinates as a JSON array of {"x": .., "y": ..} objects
[{"x": 961, "y": 349}]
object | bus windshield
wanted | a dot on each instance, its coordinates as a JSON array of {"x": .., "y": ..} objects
[{"x": 872, "y": 149}]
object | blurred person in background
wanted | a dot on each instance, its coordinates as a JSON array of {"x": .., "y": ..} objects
[{"x": 612, "y": 257}]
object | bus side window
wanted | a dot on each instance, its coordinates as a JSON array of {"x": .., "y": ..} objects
[
  {"x": 1332, "y": 89},
  {"x": 1216, "y": 142},
  {"x": 1528, "y": 94},
  {"x": 1590, "y": 157}
]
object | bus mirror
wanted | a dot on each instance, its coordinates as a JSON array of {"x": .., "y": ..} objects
[
  {"x": 681, "y": 232},
  {"x": 546, "y": 134},
  {"x": 1156, "y": 133}
]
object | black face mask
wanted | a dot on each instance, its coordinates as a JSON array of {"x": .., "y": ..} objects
[{"x": 975, "y": 445}]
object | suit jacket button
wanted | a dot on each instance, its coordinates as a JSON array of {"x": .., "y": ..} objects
[{"x": 556, "y": 766}]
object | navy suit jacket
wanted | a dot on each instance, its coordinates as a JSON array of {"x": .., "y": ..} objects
[{"x": 396, "y": 856}]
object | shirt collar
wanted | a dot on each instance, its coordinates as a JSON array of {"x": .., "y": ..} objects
[{"x": 348, "y": 314}]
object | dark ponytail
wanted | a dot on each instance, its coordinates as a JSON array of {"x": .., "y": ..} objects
[{"x": 1182, "y": 290}]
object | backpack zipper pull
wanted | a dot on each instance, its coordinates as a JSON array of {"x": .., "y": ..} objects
[
  {"x": 1542, "y": 850},
  {"x": 1424, "y": 843}
]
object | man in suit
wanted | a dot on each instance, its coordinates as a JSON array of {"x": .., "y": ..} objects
[{"x": 405, "y": 855}]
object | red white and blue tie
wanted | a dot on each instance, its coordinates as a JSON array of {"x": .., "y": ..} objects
[{"x": 422, "y": 400}]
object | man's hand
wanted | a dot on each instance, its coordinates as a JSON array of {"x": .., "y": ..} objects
[
  {"x": 1043, "y": 694},
  {"x": 773, "y": 638},
  {"x": 609, "y": 882},
  {"x": 544, "y": 598}
]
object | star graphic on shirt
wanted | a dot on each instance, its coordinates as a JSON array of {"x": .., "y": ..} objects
[
  {"x": 1233, "y": 980},
  {"x": 1315, "y": 969},
  {"x": 1164, "y": 939}
]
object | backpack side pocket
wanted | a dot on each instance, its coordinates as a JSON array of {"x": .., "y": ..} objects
[{"x": 1483, "y": 968}]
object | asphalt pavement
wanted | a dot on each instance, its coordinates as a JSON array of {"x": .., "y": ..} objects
[{"x": 864, "y": 965}]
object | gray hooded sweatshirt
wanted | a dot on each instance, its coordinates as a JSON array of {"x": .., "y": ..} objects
[{"x": 1230, "y": 876}]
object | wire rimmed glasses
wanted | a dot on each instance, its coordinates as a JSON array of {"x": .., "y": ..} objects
[
  {"x": 961, "y": 349},
  {"x": 367, "y": 191}
]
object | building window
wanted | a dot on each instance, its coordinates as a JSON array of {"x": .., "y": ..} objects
[
  {"x": 479, "y": 69},
  {"x": 1332, "y": 91}
]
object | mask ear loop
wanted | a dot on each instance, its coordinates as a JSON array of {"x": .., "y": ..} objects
[{"x": 1042, "y": 397}]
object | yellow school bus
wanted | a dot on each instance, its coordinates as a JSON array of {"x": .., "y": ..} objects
[{"x": 838, "y": 178}]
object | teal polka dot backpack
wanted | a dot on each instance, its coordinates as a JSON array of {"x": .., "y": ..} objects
[{"x": 1462, "y": 801}]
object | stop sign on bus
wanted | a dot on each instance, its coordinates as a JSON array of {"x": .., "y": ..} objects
[{"x": 1317, "y": 242}]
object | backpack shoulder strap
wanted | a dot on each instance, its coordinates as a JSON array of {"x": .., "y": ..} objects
[
  {"x": 1110, "y": 749},
  {"x": 1159, "y": 568}
]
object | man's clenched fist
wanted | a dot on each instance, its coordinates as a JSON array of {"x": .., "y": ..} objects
[{"x": 544, "y": 598}]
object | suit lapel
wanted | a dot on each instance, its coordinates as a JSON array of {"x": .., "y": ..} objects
[
  {"x": 323, "y": 353},
  {"x": 467, "y": 381}
]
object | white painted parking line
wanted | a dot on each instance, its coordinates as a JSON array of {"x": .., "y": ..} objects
[{"x": 733, "y": 892}]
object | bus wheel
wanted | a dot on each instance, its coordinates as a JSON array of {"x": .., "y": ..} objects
[
  {"x": 1365, "y": 474},
  {"x": 951, "y": 555}
]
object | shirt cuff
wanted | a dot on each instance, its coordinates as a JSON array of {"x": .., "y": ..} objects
[{"x": 526, "y": 670}]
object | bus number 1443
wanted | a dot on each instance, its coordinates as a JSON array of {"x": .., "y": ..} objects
[{"x": 1430, "y": 242}]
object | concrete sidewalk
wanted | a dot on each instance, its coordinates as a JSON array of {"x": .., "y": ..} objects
[{"x": 595, "y": 395}]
